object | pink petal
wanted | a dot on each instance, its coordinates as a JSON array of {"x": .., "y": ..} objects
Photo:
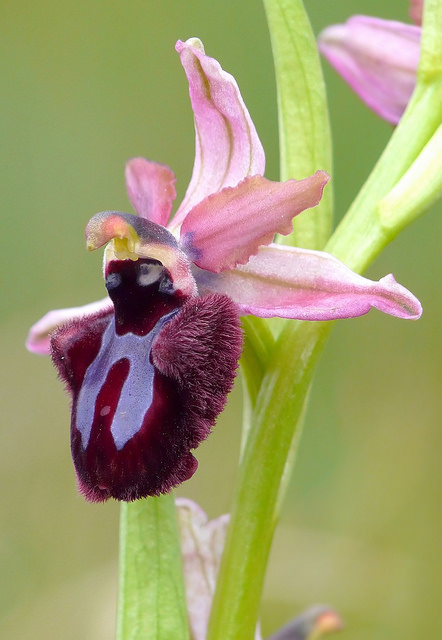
[
  {"x": 227, "y": 228},
  {"x": 307, "y": 285},
  {"x": 378, "y": 58},
  {"x": 38, "y": 340},
  {"x": 151, "y": 189},
  {"x": 227, "y": 147}
]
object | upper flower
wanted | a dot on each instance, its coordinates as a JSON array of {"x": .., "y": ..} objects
[
  {"x": 378, "y": 58},
  {"x": 149, "y": 368},
  {"x": 229, "y": 216}
]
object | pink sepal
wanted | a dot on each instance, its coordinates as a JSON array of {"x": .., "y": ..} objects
[
  {"x": 151, "y": 189},
  {"x": 227, "y": 145},
  {"x": 307, "y": 285},
  {"x": 226, "y": 228},
  {"x": 38, "y": 340}
]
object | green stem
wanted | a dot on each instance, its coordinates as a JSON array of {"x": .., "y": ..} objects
[
  {"x": 258, "y": 348},
  {"x": 151, "y": 598},
  {"x": 431, "y": 42},
  {"x": 276, "y": 431},
  {"x": 277, "y": 421}
]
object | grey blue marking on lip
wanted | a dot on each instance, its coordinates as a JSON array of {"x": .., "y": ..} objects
[{"x": 137, "y": 390}]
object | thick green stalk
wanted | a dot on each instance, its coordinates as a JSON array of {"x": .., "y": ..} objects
[
  {"x": 430, "y": 64},
  {"x": 151, "y": 598},
  {"x": 258, "y": 347},
  {"x": 277, "y": 421},
  {"x": 279, "y": 408}
]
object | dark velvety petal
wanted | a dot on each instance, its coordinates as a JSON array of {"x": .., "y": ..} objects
[
  {"x": 133, "y": 425},
  {"x": 200, "y": 348}
]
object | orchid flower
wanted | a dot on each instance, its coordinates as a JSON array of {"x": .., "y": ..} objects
[
  {"x": 202, "y": 543},
  {"x": 150, "y": 368},
  {"x": 377, "y": 58}
]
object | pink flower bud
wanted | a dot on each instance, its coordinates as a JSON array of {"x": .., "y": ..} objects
[{"x": 377, "y": 58}]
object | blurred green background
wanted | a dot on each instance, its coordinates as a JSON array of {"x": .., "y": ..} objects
[{"x": 84, "y": 86}]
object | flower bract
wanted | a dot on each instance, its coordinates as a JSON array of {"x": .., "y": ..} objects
[{"x": 202, "y": 544}]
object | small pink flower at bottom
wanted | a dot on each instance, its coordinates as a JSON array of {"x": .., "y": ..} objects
[
  {"x": 149, "y": 368},
  {"x": 202, "y": 544}
]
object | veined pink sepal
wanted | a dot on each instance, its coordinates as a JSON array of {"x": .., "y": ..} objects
[
  {"x": 227, "y": 146},
  {"x": 307, "y": 285}
]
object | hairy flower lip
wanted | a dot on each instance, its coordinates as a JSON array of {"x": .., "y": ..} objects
[{"x": 146, "y": 388}]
